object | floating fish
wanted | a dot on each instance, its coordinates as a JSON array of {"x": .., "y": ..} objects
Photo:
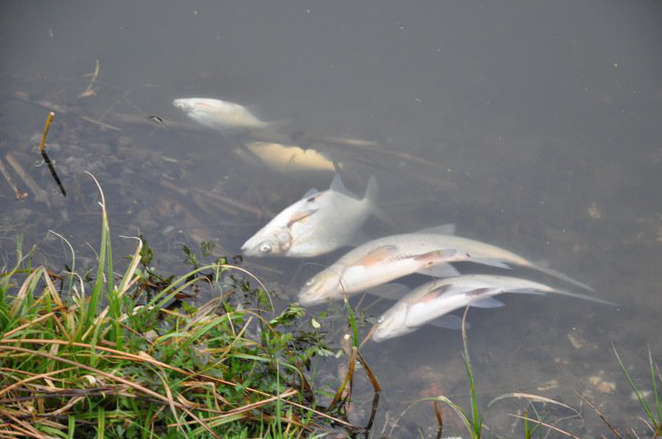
[
  {"x": 221, "y": 115},
  {"x": 428, "y": 252},
  {"x": 289, "y": 158},
  {"x": 318, "y": 223},
  {"x": 439, "y": 297}
]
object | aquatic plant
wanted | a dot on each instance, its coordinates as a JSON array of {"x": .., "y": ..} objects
[{"x": 654, "y": 412}]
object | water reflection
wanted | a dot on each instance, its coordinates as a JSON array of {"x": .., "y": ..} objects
[{"x": 531, "y": 125}]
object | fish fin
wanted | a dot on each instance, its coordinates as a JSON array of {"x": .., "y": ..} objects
[
  {"x": 392, "y": 290},
  {"x": 338, "y": 186},
  {"x": 370, "y": 197},
  {"x": 557, "y": 274},
  {"x": 371, "y": 191},
  {"x": 309, "y": 193},
  {"x": 300, "y": 215},
  {"x": 439, "y": 270},
  {"x": 449, "y": 321},
  {"x": 444, "y": 229},
  {"x": 487, "y": 302},
  {"x": 435, "y": 292},
  {"x": 491, "y": 262},
  {"x": 377, "y": 255}
]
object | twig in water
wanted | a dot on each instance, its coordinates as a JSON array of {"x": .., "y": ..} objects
[
  {"x": 20, "y": 195},
  {"x": 42, "y": 144},
  {"x": 53, "y": 173},
  {"x": 537, "y": 421},
  {"x": 39, "y": 193},
  {"x": 595, "y": 409},
  {"x": 89, "y": 91},
  {"x": 49, "y": 119}
]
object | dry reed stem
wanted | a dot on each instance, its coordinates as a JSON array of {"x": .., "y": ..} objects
[
  {"x": 349, "y": 376},
  {"x": 18, "y": 193},
  {"x": 39, "y": 194},
  {"x": 28, "y": 324},
  {"x": 33, "y": 378},
  {"x": 170, "y": 400},
  {"x": 532, "y": 397},
  {"x": 595, "y": 409},
  {"x": 544, "y": 424},
  {"x": 371, "y": 376},
  {"x": 91, "y": 369},
  {"x": 143, "y": 357},
  {"x": 198, "y": 420},
  {"x": 49, "y": 119},
  {"x": 25, "y": 428}
]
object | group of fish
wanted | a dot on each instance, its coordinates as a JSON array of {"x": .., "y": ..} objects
[
  {"x": 321, "y": 222},
  {"x": 234, "y": 120}
]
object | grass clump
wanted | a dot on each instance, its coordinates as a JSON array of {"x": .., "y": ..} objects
[
  {"x": 121, "y": 356},
  {"x": 653, "y": 411}
]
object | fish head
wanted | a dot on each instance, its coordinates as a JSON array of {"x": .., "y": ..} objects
[
  {"x": 185, "y": 104},
  {"x": 326, "y": 284},
  {"x": 392, "y": 323},
  {"x": 271, "y": 243}
]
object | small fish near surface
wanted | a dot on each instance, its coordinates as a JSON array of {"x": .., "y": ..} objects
[
  {"x": 221, "y": 115},
  {"x": 427, "y": 252},
  {"x": 289, "y": 159},
  {"x": 436, "y": 299},
  {"x": 318, "y": 223}
]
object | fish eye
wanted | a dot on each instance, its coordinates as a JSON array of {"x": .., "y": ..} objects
[
  {"x": 311, "y": 281},
  {"x": 265, "y": 248}
]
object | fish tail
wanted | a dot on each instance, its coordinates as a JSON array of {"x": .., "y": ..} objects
[
  {"x": 582, "y": 296},
  {"x": 276, "y": 125},
  {"x": 559, "y": 275}
]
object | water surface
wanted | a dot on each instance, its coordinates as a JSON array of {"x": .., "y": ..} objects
[{"x": 536, "y": 124}]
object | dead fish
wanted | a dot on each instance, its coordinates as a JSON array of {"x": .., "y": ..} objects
[
  {"x": 435, "y": 299},
  {"x": 318, "y": 223},
  {"x": 221, "y": 115},
  {"x": 289, "y": 158},
  {"x": 428, "y": 252}
]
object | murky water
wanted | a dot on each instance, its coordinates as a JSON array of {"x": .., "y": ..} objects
[{"x": 533, "y": 125}]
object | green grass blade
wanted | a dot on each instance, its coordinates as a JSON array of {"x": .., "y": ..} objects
[{"x": 640, "y": 396}]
